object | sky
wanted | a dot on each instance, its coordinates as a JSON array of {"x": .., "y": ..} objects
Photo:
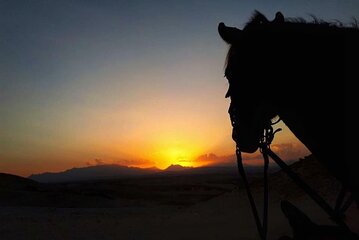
[{"x": 138, "y": 83}]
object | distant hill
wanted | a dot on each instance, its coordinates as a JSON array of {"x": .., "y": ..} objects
[
  {"x": 13, "y": 182},
  {"x": 101, "y": 172},
  {"x": 177, "y": 168},
  {"x": 93, "y": 173},
  {"x": 112, "y": 185},
  {"x": 312, "y": 172}
]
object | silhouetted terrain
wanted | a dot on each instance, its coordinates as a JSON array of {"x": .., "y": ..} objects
[
  {"x": 177, "y": 168},
  {"x": 101, "y": 172},
  {"x": 194, "y": 203},
  {"x": 93, "y": 173},
  {"x": 115, "y": 186},
  {"x": 13, "y": 182},
  {"x": 167, "y": 187},
  {"x": 313, "y": 173}
]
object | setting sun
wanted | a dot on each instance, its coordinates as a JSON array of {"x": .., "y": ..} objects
[{"x": 176, "y": 154}]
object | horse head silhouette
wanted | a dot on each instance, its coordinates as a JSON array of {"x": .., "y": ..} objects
[{"x": 298, "y": 71}]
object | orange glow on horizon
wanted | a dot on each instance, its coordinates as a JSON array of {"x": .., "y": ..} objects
[
  {"x": 148, "y": 145},
  {"x": 176, "y": 153}
]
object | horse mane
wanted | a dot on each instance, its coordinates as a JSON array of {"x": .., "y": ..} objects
[
  {"x": 258, "y": 17},
  {"x": 296, "y": 23}
]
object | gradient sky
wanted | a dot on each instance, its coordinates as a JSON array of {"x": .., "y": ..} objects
[{"x": 138, "y": 83}]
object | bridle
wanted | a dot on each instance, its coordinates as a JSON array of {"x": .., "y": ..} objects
[{"x": 264, "y": 146}]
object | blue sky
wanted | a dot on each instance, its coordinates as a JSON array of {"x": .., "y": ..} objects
[{"x": 82, "y": 80}]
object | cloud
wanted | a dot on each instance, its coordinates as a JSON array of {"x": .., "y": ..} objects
[
  {"x": 185, "y": 161},
  {"x": 287, "y": 151},
  {"x": 95, "y": 162},
  {"x": 290, "y": 151},
  {"x": 123, "y": 162},
  {"x": 213, "y": 159},
  {"x": 135, "y": 162}
]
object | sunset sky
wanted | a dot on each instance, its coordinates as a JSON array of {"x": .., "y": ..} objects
[{"x": 137, "y": 83}]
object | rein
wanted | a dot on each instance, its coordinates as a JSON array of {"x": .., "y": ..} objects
[
  {"x": 265, "y": 142},
  {"x": 264, "y": 146}
]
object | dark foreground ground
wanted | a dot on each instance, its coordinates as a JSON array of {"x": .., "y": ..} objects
[{"x": 179, "y": 206}]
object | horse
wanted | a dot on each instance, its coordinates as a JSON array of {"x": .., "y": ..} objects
[
  {"x": 298, "y": 71},
  {"x": 302, "y": 72}
]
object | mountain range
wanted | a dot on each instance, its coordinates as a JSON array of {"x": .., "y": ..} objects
[
  {"x": 107, "y": 171},
  {"x": 113, "y": 171}
]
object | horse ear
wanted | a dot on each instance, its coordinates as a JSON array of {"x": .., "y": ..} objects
[
  {"x": 229, "y": 34},
  {"x": 279, "y": 18},
  {"x": 259, "y": 18}
]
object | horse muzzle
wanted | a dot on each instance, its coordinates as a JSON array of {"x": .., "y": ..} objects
[
  {"x": 246, "y": 142},
  {"x": 248, "y": 148}
]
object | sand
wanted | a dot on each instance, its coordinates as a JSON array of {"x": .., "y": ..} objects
[{"x": 224, "y": 217}]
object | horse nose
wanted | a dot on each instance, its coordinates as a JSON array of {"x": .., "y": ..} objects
[
  {"x": 248, "y": 147},
  {"x": 246, "y": 143}
]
